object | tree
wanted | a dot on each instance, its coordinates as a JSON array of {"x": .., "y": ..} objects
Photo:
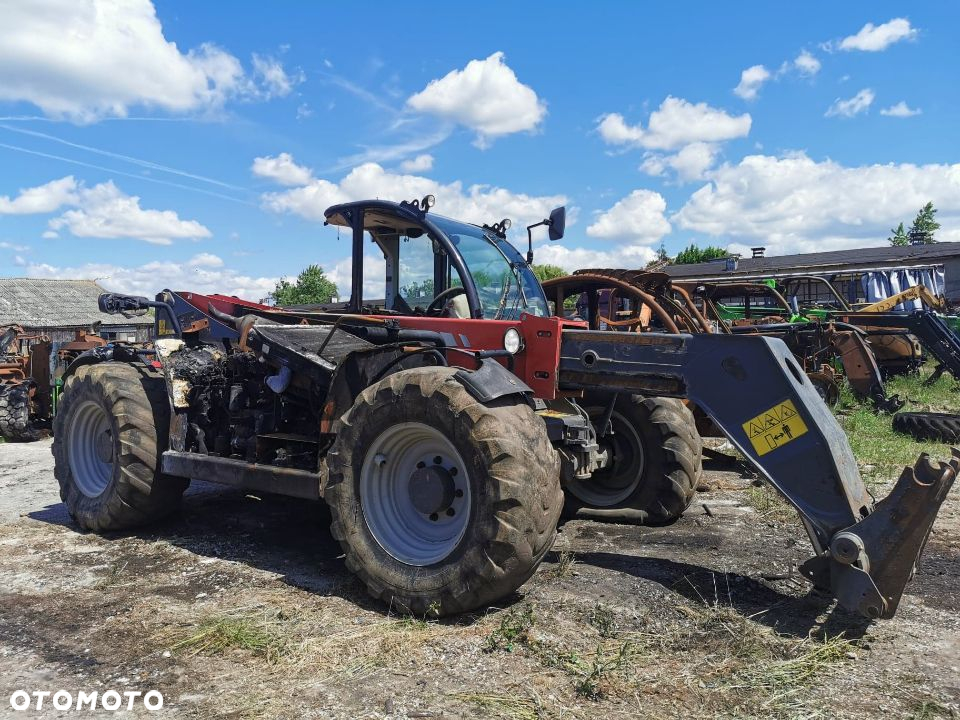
[
  {"x": 924, "y": 226},
  {"x": 662, "y": 258},
  {"x": 312, "y": 287},
  {"x": 694, "y": 254},
  {"x": 899, "y": 236},
  {"x": 548, "y": 272}
]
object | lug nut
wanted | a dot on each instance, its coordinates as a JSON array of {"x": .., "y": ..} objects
[{"x": 434, "y": 517}]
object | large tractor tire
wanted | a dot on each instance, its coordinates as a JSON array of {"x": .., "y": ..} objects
[
  {"x": 442, "y": 504},
  {"x": 15, "y": 422},
  {"x": 939, "y": 427},
  {"x": 656, "y": 463},
  {"x": 109, "y": 433}
]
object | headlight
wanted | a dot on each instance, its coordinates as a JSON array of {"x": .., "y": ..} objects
[{"x": 512, "y": 342}]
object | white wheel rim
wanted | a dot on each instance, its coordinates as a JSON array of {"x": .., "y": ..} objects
[
  {"x": 90, "y": 448},
  {"x": 415, "y": 493}
]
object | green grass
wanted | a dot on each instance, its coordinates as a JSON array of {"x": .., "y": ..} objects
[
  {"x": 220, "y": 634},
  {"x": 881, "y": 452}
]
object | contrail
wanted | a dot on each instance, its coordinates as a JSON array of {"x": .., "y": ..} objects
[
  {"x": 191, "y": 188},
  {"x": 126, "y": 158}
]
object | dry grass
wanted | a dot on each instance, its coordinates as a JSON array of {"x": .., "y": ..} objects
[{"x": 499, "y": 705}]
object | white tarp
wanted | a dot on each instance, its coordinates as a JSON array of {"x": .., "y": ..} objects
[{"x": 881, "y": 285}]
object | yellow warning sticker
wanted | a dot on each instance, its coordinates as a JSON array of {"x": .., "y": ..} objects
[{"x": 775, "y": 427}]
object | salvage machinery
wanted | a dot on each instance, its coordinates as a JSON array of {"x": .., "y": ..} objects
[{"x": 444, "y": 427}]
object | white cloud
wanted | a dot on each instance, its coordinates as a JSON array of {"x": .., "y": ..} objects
[
  {"x": 281, "y": 169},
  {"x": 204, "y": 274},
  {"x": 105, "y": 212},
  {"x": 638, "y": 217},
  {"x": 691, "y": 163},
  {"x": 674, "y": 124},
  {"x": 851, "y": 106},
  {"x": 806, "y": 64},
  {"x": 42, "y": 199},
  {"x": 475, "y": 203},
  {"x": 13, "y": 246},
  {"x": 272, "y": 78},
  {"x": 570, "y": 259},
  {"x": 873, "y": 38},
  {"x": 83, "y": 60},
  {"x": 795, "y": 204},
  {"x": 901, "y": 110},
  {"x": 751, "y": 80},
  {"x": 485, "y": 96},
  {"x": 421, "y": 163}
]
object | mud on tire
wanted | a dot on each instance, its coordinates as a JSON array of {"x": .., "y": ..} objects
[
  {"x": 939, "y": 427},
  {"x": 515, "y": 496},
  {"x": 650, "y": 487},
  {"x": 15, "y": 421},
  {"x": 109, "y": 433}
]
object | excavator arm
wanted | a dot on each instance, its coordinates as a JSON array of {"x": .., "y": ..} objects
[
  {"x": 914, "y": 293},
  {"x": 752, "y": 388}
]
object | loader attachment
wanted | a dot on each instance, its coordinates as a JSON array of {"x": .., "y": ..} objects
[{"x": 756, "y": 393}]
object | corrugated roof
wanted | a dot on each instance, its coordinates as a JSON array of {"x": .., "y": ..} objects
[
  {"x": 38, "y": 303},
  {"x": 860, "y": 257}
]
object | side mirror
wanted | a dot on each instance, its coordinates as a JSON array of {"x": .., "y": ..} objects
[{"x": 558, "y": 222}]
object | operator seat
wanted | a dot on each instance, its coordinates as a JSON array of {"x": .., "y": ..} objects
[{"x": 458, "y": 307}]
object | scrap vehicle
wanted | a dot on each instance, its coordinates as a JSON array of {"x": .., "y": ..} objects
[
  {"x": 441, "y": 428},
  {"x": 898, "y": 338},
  {"x": 30, "y": 379}
]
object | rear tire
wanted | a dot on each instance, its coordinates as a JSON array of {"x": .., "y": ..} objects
[
  {"x": 652, "y": 485},
  {"x": 939, "y": 427},
  {"x": 109, "y": 434},
  {"x": 497, "y": 457},
  {"x": 15, "y": 421}
]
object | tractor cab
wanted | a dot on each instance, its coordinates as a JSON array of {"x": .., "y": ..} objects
[{"x": 435, "y": 266}]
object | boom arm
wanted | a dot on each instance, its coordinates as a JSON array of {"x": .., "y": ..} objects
[
  {"x": 916, "y": 292},
  {"x": 753, "y": 389}
]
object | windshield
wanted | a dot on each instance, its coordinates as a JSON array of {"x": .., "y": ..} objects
[{"x": 505, "y": 284}]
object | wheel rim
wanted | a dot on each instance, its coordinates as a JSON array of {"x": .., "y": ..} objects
[
  {"x": 91, "y": 448},
  {"x": 624, "y": 473},
  {"x": 415, "y": 493}
]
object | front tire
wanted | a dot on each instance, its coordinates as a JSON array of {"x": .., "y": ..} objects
[
  {"x": 656, "y": 463},
  {"x": 109, "y": 434},
  {"x": 441, "y": 504}
]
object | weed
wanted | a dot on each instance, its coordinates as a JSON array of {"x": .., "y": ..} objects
[
  {"x": 768, "y": 503},
  {"x": 514, "y": 628},
  {"x": 217, "y": 635},
  {"x": 505, "y": 706},
  {"x": 596, "y": 677},
  {"x": 603, "y": 620},
  {"x": 565, "y": 564}
]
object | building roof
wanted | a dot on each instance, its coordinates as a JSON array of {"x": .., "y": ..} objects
[
  {"x": 39, "y": 303},
  {"x": 860, "y": 258}
]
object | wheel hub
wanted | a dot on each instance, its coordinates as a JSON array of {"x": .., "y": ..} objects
[
  {"x": 104, "y": 446},
  {"x": 431, "y": 489}
]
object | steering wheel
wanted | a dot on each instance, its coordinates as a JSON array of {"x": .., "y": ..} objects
[{"x": 447, "y": 294}]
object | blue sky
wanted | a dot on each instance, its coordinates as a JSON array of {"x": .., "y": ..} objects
[{"x": 175, "y": 144}]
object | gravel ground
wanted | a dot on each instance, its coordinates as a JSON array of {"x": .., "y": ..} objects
[{"x": 240, "y": 607}]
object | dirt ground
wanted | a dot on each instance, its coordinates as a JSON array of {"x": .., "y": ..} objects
[{"x": 241, "y": 607}]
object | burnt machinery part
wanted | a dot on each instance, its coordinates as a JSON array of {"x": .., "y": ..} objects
[
  {"x": 108, "y": 438},
  {"x": 939, "y": 427},
  {"x": 15, "y": 422}
]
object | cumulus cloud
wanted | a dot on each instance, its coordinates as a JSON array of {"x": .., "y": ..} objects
[
  {"x": 850, "y": 107},
  {"x": 421, "y": 163},
  {"x": 281, "y": 169},
  {"x": 41, "y": 199},
  {"x": 202, "y": 273},
  {"x": 674, "y": 124},
  {"x": 796, "y": 204},
  {"x": 485, "y": 96},
  {"x": 271, "y": 77},
  {"x": 475, "y": 203},
  {"x": 103, "y": 211},
  {"x": 691, "y": 163},
  {"x": 751, "y": 80},
  {"x": 901, "y": 110},
  {"x": 638, "y": 217},
  {"x": 86, "y": 59},
  {"x": 806, "y": 64},
  {"x": 570, "y": 259},
  {"x": 874, "y": 38}
]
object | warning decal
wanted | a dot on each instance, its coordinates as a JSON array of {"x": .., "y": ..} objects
[{"x": 775, "y": 427}]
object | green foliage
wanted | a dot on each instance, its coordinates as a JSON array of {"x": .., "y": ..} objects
[
  {"x": 548, "y": 272},
  {"x": 899, "y": 236},
  {"x": 925, "y": 225},
  {"x": 662, "y": 258},
  {"x": 312, "y": 286},
  {"x": 514, "y": 629},
  {"x": 694, "y": 254}
]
